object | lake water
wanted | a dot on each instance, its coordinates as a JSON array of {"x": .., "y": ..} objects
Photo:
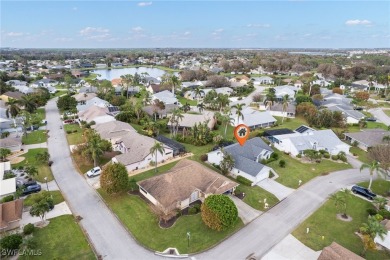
[{"x": 117, "y": 73}]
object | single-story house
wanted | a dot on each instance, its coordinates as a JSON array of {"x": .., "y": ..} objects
[
  {"x": 44, "y": 83},
  {"x": 193, "y": 84},
  {"x": 242, "y": 79},
  {"x": 338, "y": 252},
  {"x": 385, "y": 242},
  {"x": 97, "y": 114},
  {"x": 189, "y": 120},
  {"x": 351, "y": 116},
  {"x": 247, "y": 159},
  {"x": 191, "y": 94},
  {"x": 88, "y": 89},
  {"x": 271, "y": 132},
  {"x": 165, "y": 96},
  {"x": 135, "y": 149},
  {"x": 96, "y": 101},
  {"x": 188, "y": 181},
  {"x": 113, "y": 130},
  {"x": 321, "y": 82},
  {"x": 360, "y": 85},
  {"x": 277, "y": 110},
  {"x": 11, "y": 95},
  {"x": 282, "y": 91},
  {"x": 151, "y": 110},
  {"x": 150, "y": 80},
  {"x": 367, "y": 138},
  {"x": 154, "y": 88},
  {"x": 16, "y": 83},
  {"x": 10, "y": 214},
  {"x": 306, "y": 138},
  {"x": 82, "y": 98},
  {"x": 177, "y": 147},
  {"x": 254, "y": 119},
  {"x": 263, "y": 80}
]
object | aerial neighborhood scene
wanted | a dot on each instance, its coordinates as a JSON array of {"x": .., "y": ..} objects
[{"x": 195, "y": 130}]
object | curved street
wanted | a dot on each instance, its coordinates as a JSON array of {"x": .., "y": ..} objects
[{"x": 112, "y": 241}]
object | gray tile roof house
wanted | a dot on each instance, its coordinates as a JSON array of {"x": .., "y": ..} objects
[
  {"x": 113, "y": 129},
  {"x": 367, "y": 138},
  {"x": 254, "y": 118},
  {"x": 189, "y": 120},
  {"x": 246, "y": 158},
  {"x": 161, "y": 113}
]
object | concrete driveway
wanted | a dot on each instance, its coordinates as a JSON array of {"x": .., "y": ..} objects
[
  {"x": 59, "y": 210},
  {"x": 380, "y": 115},
  {"x": 245, "y": 212},
  {"x": 274, "y": 187}
]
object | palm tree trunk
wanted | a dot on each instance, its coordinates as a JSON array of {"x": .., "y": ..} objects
[
  {"x": 155, "y": 169},
  {"x": 369, "y": 185},
  {"x": 226, "y": 129}
]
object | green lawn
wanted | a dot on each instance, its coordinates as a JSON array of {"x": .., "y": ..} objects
[
  {"x": 380, "y": 186},
  {"x": 41, "y": 112},
  {"x": 35, "y": 137},
  {"x": 85, "y": 165},
  {"x": 362, "y": 155},
  {"x": 183, "y": 101},
  {"x": 62, "y": 239},
  {"x": 151, "y": 173},
  {"x": 30, "y": 159},
  {"x": 56, "y": 195},
  {"x": 323, "y": 222},
  {"x": 254, "y": 196},
  {"x": 60, "y": 93},
  {"x": 370, "y": 125},
  {"x": 74, "y": 138},
  {"x": 290, "y": 123},
  {"x": 137, "y": 216},
  {"x": 296, "y": 170},
  {"x": 387, "y": 112}
]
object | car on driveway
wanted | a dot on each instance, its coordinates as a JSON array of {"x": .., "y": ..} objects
[
  {"x": 34, "y": 188},
  {"x": 371, "y": 119},
  {"x": 363, "y": 192},
  {"x": 94, "y": 172}
]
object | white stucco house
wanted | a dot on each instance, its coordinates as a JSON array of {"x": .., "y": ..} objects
[
  {"x": 254, "y": 118},
  {"x": 165, "y": 96},
  {"x": 247, "y": 159},
  {"x": 96, "y": 101},
  {"x": 7, "y": 186}
]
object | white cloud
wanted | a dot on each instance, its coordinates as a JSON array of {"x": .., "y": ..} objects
[
  {"x": 187, "y": 33},
  {"x": 93, "y": 30},
  {"x": 63, "y": 39},
  {"x": 142, "y": 4},
  {"x": 137, "y": 29},
  {"x": 15, "y": 34},
  {"x": 265, "y": 25},
  {"x": 358, "y": 22},
  {"x": 219, "y": 30}
]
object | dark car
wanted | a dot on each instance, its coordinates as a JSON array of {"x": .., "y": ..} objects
[
  {"x": 21, "y": 184},
  {"x": 364, "y": 192},
  {"x": 31, "y": 189},
  {"x": 371, "y": 119}
]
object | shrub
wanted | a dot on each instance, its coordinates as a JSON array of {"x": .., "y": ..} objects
[
  {"x": 219, "y": 212},
  {"x": 299, "y": 155},
  {"x": 343, "y": 158},
  {"x": 204, "y": 157},
  {"x": 322, "y": 152},
  {"x": 74, "y": 131},
  {"x": 11, "y": 242},
  {"x": 282, "y": 163},
  {"x": 28, "y": 229},
  {"x": 133, "y": 185},
  {"x": 372, "y": 212},
  {"x": 327, "y": 155},
  {"x": 275, "y": 156},
  {"x": 335, "y": 157},
  {"x": 384, "y": 213},
  {"x": 114, "y": 178},
  {"x": 197, "y": 207},
  {"x": 7, "y": 198},
  {"x": 68, "y": 131},
  {"x": 192, "y": 211},
  {"x": 244, "y": 180}
]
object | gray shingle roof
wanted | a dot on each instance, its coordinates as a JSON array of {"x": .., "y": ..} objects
[{"x": 369, "y": 137}]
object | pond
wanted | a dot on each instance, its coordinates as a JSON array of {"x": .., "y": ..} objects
[{"x": 117, "y": 73}]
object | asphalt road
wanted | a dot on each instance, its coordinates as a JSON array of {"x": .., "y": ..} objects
[{"x": 109, "y": 237}]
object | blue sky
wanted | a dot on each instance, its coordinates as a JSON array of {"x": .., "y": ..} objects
[{"x": 199, "y": 24}]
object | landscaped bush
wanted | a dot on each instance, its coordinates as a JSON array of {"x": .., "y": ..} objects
[
  {"x": 335, "y": 157},
  {"x": 192, "y": 211},
  {"x": 114, "y": 178},
  {"x": 133, "y": 185},
  {"x": 282, "y": 163},
  {"x": 219, "y": 212},
  {"x": 372, "y": 212},
  {"x": 384, "y": 213},
  {"x": 244, "y": 180},
  {"x": 327, "y": 155},
  {"x": 299, "y": 155},
  {"x": 7, "y": 198},
  {"x": 68, "y": 131},
  {"x": 322, "y": 152},
  {"x": 197, "y": 207},
  {"x": 11, "y": 242},
  {"x": 275, "y": 156},
  {"x": 28, "y": 229},
  {"x": 204, "y": 157}
]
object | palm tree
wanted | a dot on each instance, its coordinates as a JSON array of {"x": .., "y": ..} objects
[
  {"x": 174, "y": 81},
  {"x": 127, "y": 80},
  {"x": 155, "y": 149},
  {"x": 222, "y": 100},
  {"x": 200, "y": 107},
  {"x": 284, "y": 106},
  {"x": 29, "y": 103},
  {"x": 31, "y": 170},
  {"x": 226, "y": 120},
  {"x": 372, "y": 167},
  {"x": 94, "y": 147},
  {"x": 13, "y": 107},
  {"x": 186, "y": 107},
  {"x": 198, "y": 93},
  {"x": 239, "y": 108},
  {"x": 380, "y": 202},
  {"x": 373, "y": 228}
]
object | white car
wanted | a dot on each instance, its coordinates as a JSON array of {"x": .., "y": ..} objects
[{"x": 94, "y": 172}]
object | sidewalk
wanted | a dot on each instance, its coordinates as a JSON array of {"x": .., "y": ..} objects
[
  {"x": 34, "y": 146},
  {"x": 59, "y": 210}
]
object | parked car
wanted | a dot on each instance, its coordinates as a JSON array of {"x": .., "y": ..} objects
[
  {"x": 33, "y": 128},
  {"x": 21, "y": 184},
  {"x": 364, "y": 192},
  {"x": 31, "y": 189},
  {"x": 94, "y": 172},
  {"x": 371, "y": 119}
]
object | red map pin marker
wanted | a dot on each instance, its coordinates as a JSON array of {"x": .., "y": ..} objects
[{"x": 241, "y": 132}]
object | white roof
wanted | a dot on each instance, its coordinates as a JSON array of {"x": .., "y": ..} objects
[
  {"x": 7, "y": 186},
  {"x": 253, "y": 117}
]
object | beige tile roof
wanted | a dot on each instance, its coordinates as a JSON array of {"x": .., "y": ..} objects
[
  {"x": 10, "y": 211},
  {"x": 182, "y": 180},
  {"x": 189, "y": 120},
  {"x": 84, "y": 96},
  {"x": 10, "y": 142},
  {"x": 93, "y": 112},
  {"x": 112, "y": 129},
  {"x": 336, "y": 251}
]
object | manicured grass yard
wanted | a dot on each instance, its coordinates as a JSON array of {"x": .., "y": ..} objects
[
  {"x": 41, "y": 112},
  {"x": 56, "y": 195},
  {"x": 30, "y": 159},
  {"x": 381, "y": 187},
  {"x": 323, "y": 222},
  {"x": 296, "y": 170},
  {"x": 151, "y": 173},
  {"x": 290, "y": 123},
  {"x": 136, "y": 215},
  {"x": 85, "y": 165},
  {"x": 254, "y": 197},
  {"x": 387, "y": 112},
  {"x": 362, "y": 155},
  {"x": 74, "y": 138},
  {"x": 184, "y": 100},
  {"x": 62, "y": 239},
  {"x": 35, "y": 137}
]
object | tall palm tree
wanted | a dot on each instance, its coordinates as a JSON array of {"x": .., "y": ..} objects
[
  {"x": 13, "y": 110},
  {"x": 127, "y": 80},
  {"x": 222, "y": 100},
  {"x": 239, "y": 108},
  {"x": 284, "y": 106},
  {"x": 94, "y": 148},
  {"x": 226, "y": 120},
  {"x": 174, "y": 81},
  {"x": 155, "y": 149},
  {"x": 29, "y": 103},
  {"x": 198, "y": 93},
  {"x": 372, "y": 167},
  {"x": 200, "y": 107}
]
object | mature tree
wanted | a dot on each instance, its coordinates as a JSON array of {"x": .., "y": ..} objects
[
  {"x": 239, "y": 108},
  {"x": 29, "y": 103},
  {"x": 302, "y": 99},
  {"x": 219, "y": 212},
  {"x": 226, "y": 120},
  {"x": 41, "y": 206},
  {"x": 222, "y": 101},
  {"x": 227, "y": 163},
  {"x": 114, "y": 178},
  {"x": 31, "y": 170},
  {"x": 13, "y": 108},
  {"x": 157, "y": 106},
  {"x": 155, "y": 150},
  {"x": 217, "y": 81},
  {"x": 175, "y": 120},
  {"x": 127, "y": 81},
  {"x": 200, "y": 107},
  {"x": 381, "y": 154},
  {"x": 4, "y": 152},
  {"x": 362, "y": 96},
  {"x": 284, "y": 107},
  {"x": 66, "y": 103},
  {"x": 95, "y": 146},
  {"x": 372, "y": 167}
]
